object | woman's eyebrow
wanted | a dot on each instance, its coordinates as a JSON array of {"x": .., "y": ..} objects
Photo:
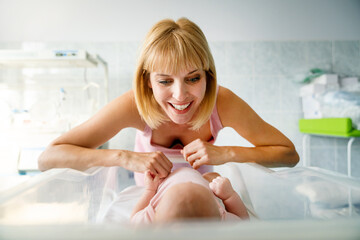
[
  {"x": 162, "y": 75},
  {"x": 192, "y": 71},
  {"x": 166, "y": 75}
]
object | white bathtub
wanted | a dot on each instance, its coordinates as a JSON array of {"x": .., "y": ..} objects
[{"x": 294, "y": 203}]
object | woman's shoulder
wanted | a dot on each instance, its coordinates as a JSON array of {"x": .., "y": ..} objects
[
  {"x": 124, "y": 108},
  {"x": 228, "y": 105},
  {"x": 125, "y": 101},
  {"x": 224, "y": 92},
  {"x": 225, "y": 98}
]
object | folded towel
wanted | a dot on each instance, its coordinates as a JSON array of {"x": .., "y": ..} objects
[{"x": 328, "y": 194}]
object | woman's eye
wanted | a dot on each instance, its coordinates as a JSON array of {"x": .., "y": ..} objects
[
  {"x": 194, "y": 79},
  {"x": 164, "y": 82}
]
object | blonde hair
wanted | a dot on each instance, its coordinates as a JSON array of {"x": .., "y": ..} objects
[{"x": 172, "y": 47}]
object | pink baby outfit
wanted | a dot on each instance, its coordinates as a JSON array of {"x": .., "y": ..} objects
[
  {"x": 143, "y": 144},
  {"x": 181, "y": 175}
]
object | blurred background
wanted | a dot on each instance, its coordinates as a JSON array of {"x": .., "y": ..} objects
[{"x": 263, "y": 51}]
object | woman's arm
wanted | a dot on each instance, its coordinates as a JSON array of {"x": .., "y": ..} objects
[
  {"x": 271, "y": 147},
  {"x": 77, "y": 148}
]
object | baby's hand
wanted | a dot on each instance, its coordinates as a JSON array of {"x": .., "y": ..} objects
[
  {"x": 151, "y": 182},
  {"x": 221, "y": 187}
]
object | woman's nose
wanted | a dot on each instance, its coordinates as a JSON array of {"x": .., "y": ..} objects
[{"x": 179, "y": 91}]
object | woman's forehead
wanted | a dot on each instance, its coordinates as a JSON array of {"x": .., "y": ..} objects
[
  {"x": 172, "y": 67},
  {"x": 172, "y": 64}
]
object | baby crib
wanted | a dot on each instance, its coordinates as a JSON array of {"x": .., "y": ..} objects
[{"x": 293, "y": 203}]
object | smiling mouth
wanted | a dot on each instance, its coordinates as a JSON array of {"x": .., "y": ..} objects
[{"x": 180, "y": 107}]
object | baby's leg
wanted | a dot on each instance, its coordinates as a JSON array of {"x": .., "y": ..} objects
[{"x": 209, "y": 176}]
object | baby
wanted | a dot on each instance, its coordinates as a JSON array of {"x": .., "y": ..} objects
[{"x": 186, "y": 194}]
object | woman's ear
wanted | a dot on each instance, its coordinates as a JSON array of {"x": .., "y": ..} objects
[{"x": 149, "y": 83}]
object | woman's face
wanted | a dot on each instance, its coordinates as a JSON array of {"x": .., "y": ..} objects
[{"x": 179, "y": 95}]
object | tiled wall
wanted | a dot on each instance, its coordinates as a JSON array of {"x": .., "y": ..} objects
[
  {"x": 264, "y": 74},
  {"x": 267, "y": 74}
]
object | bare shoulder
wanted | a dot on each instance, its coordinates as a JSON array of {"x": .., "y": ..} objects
[
  {"x": 225, "y": 95},
  {"x": 123, "y": 111},
  {"x": 231, "y": 107}
]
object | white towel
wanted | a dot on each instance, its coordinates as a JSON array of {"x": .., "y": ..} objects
[
  {"x": 327, "y": 194},
  {"x": 121, "y": 208}
]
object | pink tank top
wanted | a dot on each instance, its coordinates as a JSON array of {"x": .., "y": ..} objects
[{"x": 143, "y": 144}]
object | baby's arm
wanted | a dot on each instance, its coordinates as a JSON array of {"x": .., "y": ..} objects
[
  {"x": 222, "y": 188},
  {"x": 151, "y": 185}
]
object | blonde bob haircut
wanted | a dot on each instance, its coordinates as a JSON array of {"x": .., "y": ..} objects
[{"x": 171, "y": 47}]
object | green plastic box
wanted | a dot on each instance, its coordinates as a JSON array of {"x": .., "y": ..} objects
[{"x": 341, "y": 127}]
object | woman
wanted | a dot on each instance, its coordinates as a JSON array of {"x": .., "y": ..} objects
[{"x": 177, "y": 109}]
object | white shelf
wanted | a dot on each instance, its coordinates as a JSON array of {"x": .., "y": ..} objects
[
  {"x": 53, "y": 59},
  {"x": 47, "y": 59},
  {"x": 27, "y": 148}
]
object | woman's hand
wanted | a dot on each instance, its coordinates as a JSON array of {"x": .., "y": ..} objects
[
  {"x": 155, "y": 162},
  {"x": 199, "y": 153},
  {"x": 222, "y": 188}
]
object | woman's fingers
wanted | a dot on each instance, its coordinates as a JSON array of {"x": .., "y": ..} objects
[
  {"x": 193, "y": 157},
  {"x": 160, "y": 163},
  {"x": 194, "y": 151},
  {"x": 199, "y": 153},
  {"x": 191, "y": 148},
  {"x": 152, "y": 170},
  {"x": 198, "y": 158},
  {"x": 166, "y": 163},
  {"x": 199, "y": 163}
]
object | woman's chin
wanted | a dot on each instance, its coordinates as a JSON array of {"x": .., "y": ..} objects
[{"x": 180, "y": 121}]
